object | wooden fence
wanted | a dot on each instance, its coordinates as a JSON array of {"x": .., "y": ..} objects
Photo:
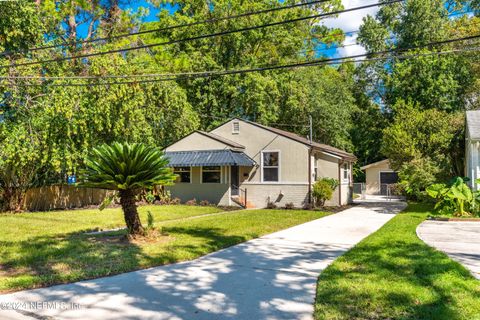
[{"x": 62, "y": 197}]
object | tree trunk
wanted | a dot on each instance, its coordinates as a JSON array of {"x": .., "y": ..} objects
[{"x": 127, "y": 200}]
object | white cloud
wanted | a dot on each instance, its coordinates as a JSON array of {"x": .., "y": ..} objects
[{"x": 350, "y": 21}]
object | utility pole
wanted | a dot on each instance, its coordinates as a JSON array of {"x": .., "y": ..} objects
[{"x": 311, "y": 128}]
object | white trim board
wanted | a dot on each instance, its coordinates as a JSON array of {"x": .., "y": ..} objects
[{"x": 279, "y": 166}]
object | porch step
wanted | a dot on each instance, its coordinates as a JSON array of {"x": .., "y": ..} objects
[{"x": 240, "y": 201}]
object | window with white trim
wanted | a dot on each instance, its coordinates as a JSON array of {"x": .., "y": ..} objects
[
  {"x": 183, "y": 174},
  {"x": 346, "y": 172},
  {"x": 270, "y": 166},
  {"x": 236, "y": 127},
  {"x": 211, "y": 174}
]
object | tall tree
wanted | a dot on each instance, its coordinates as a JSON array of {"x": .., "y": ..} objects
[{"x": 433, "y": 81}]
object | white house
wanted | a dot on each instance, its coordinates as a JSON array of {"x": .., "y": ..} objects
[{"x": 472, "y": 145}]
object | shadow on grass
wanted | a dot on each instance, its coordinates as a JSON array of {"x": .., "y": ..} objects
[
  {"x": 48, "y": 260},
  {"x": 393, "y": 275}
]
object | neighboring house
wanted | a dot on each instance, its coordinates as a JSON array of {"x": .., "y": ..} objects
[
  {"x": 472, "y": 146},
  {"x": 243, "y": 158},
  {"x": 378, "y": 176}
]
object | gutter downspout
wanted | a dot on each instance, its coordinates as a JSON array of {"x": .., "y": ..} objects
[
  {"x": 340, "y": 164},
  {"x": 310, "y": 152},
  {"x": 310, "y": 176}
]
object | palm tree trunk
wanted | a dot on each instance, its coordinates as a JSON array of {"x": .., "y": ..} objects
[{"x": 127, "y": 200}]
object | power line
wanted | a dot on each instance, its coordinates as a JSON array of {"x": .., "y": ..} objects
[
  {"x": 206, "y": 36},
  {"x": 339, "y": 60},
  {"x": 213, "y": 20},
  {"x": 217, "y": 72}
]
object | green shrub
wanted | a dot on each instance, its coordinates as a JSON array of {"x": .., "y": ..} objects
[
  {"x": 322, "y": 191},
  {"x": 150, "y": 221},
  {"x": 416, "y": 175},
  {"x": 332, "y": 182},
  {"x": 150, "y": 197}
]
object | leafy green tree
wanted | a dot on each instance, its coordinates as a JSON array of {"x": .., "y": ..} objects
[
  {"x": 416, "y": 133},
  {"x": 325, "y": 93},
  {"x": 19, "y": 161},
  {"x": 20, "y": 25},
  {"x": 257, "y": 96},
  {"x": 128, "y": 169},
  {"x": 432, "y": 81},
  {"x": 417, "y": 174}
]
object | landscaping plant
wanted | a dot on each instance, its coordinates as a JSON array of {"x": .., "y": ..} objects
[
  {"x": 128, "y": 169},
  {"x": 454, "y": 198},
  {"x": 323, "y": 190}
]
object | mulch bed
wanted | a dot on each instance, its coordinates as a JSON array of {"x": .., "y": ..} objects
[
  {"x": 337, "y": 209},
  {"x": 454, "y": 219}
]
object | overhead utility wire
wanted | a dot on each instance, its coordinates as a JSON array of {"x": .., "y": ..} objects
[
  {"x": 291, "y": 66},
  {"x": 216, "y": 72},
  {"x": 213, "y": 20},
  {"x": 348, "y": 59},
  {"x": 205, "y": 36},
  {"x": 335, "y": 61}
]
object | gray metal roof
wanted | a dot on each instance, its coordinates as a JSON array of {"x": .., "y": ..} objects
[
  {"x": 208, "y": 158},
  {"x": 473, "y": 124}
]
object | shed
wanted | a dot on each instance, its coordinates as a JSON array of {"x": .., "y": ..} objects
[{"x": 378, "y": 176}]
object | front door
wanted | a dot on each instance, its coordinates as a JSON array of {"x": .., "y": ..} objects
[{"x": 234, "y": 180}]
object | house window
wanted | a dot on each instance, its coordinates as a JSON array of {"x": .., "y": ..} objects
[
  {"x": 212, "y": 174},
  {"x": 235, "y": 127},
  {"x": 270, "y": 166},
  {"x": 183, "y": 174},
  {"x": 346, "y": 175}
]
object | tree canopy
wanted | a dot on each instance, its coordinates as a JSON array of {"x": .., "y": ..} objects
[{"x": 355, "y": 106}]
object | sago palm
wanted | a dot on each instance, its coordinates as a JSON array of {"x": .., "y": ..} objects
[{"x": 128, "y": 169}]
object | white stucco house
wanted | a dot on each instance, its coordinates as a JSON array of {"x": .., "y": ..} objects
[
  {"x": 247, "y": 163},
  {"x": 472, "y": 147}
]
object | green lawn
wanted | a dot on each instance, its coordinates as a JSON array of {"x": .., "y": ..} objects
[
  {"x": 393, "y": 275},
  {"x": 40, "y": 249}
]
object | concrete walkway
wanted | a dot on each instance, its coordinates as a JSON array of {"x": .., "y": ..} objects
[
  {"x": 459, "y": 240},
  {"x": 273, "y": 277}
]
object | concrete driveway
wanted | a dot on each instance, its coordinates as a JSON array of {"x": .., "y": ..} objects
[
  {"x": 459, "y": 240},
  {"x": 273, "y": 277}
]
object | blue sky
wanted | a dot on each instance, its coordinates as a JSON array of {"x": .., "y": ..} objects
[
  {"x": 347, "y": 22},
  {"x": 152, "y": 10}
]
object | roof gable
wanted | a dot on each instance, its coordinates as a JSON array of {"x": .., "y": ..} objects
[
  {"x": 302, "y": 140},
  {"x": 218, "y": 141},
  {"x": 221, "y": 139}
]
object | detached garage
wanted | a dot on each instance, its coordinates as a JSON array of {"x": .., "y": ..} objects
[{"x": 378, "y": 177}]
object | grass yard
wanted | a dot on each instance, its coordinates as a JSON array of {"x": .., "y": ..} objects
[
  {"x": 41, "y": 249},
  {"x": 393, "y": 275}
]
